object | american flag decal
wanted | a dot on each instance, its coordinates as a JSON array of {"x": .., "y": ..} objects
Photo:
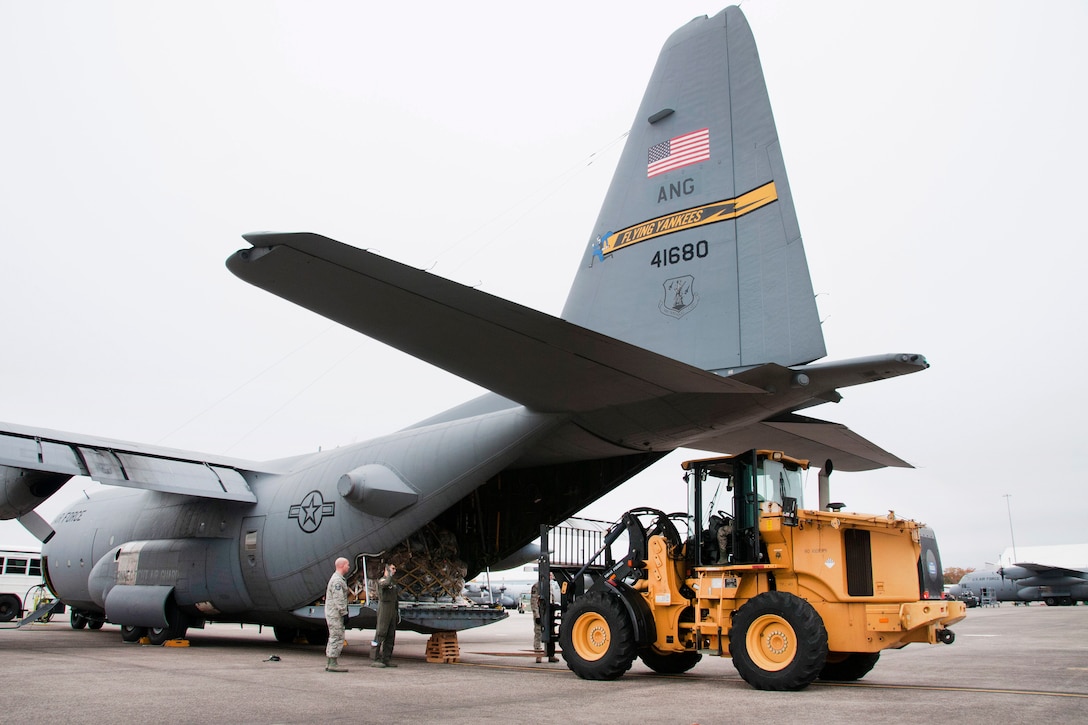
[{"x": 678, "y": 152}]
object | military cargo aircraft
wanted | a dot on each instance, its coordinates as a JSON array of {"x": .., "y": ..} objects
[
  {"x": 1056, "y": 575},
  {"x": 509, "y": 588},
  {"x": 691, "y": 323},
  {"x": 1061, "y": 580},
  {"x": 986, "y": 587}
]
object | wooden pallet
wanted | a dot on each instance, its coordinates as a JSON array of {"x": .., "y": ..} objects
[{"x": 442, "y": 647}]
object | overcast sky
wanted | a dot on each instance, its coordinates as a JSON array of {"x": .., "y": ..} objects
[{"x": 936, "y": 153}]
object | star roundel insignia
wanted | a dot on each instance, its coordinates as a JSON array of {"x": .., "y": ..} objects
[{"x": 311, "y": 511}]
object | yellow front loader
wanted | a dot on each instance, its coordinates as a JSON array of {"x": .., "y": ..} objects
[{"x": 790, "y": 594}]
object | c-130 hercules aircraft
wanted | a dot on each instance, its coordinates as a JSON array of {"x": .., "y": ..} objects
[{"x": 691, "y": 323}]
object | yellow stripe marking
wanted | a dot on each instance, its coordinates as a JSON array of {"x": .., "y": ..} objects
[{"x": 717, "y": 211}]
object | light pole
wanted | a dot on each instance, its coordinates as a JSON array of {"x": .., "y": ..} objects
[{"x": 1011, "y": 535}]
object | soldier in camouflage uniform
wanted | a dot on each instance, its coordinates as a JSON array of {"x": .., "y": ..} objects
[{"x": 336, "y": 614}]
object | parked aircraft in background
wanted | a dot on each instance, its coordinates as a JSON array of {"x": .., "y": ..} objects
[
  {"x": 691, "y": 323},
  {"x": 508, "y": 588},
  {"x": 1055, "y": 575},
  {"x": 986, "y": 587}
]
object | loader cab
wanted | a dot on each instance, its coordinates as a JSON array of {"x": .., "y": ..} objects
[{"x": 728, "y": 494}]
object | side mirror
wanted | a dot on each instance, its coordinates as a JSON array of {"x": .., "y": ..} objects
[{"x": 789, "y": 511}]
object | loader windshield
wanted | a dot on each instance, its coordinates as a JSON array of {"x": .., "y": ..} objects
[{"x": 779, "y": 480}]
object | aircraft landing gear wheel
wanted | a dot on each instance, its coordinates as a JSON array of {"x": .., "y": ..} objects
[
  {"x": 316, "y": 636},
  {"x": 285, "y": 635},
  {"x": 778, "y": 642},
  {"x": 158, "y": 635},
  {"x": 9, "y": 607},
  {"x": 132, "y": 634},
  {"x": 848, "y": 666},
  {"x": 597, "y": 637},
  {"x": 176, "y": 626},
  {"x": 94, "y": 624},
  {"x": 77, "y": 620}
]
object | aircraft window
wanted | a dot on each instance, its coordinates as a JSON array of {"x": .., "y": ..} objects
[
  {"x": 15, "y": 566},
  {"x": 251, "y": 541}
]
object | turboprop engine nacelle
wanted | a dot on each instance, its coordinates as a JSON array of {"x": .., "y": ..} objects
[{"x": 376, "y": 490}]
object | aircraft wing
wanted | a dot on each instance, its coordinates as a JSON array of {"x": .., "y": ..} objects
[
  {"x": 619, "y": 391},
  {"x": 1045, "y": 570},
  {"x": 540, "y": 361},
  {"x": 810, "y": 438},
  {"x": 123, "y": 464}
]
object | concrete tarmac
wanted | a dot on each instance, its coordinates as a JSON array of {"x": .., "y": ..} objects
[{"x": 1008, "y": 664}]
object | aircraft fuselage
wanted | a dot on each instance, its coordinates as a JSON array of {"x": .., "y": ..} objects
[{"x": 254, "y": 562}]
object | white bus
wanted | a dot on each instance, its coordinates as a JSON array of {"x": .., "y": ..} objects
[{"x": 21, "y": 582}]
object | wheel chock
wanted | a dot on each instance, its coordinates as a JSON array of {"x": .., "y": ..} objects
[{"x": 442, "y": 647}]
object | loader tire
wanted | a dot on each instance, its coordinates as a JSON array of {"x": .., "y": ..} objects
[
  {"x": 670, "y": 664},
  {"x": 778, "y": 642},
  {"x": 848, "y": 666},
  {"x": 597, "y": 637}
]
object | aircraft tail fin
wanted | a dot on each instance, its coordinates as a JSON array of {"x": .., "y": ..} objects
[{"x": 697, "y": 252}]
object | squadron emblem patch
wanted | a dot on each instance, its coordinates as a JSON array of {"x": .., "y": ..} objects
[{"x": 680, "y": 297}]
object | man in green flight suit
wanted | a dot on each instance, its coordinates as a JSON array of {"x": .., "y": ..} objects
[{"x": 388, "y": 614}]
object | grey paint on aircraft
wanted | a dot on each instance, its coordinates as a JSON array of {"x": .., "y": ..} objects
[
  {"x": 742, "y": 317},
  {"x": 578, "y": 405}
]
